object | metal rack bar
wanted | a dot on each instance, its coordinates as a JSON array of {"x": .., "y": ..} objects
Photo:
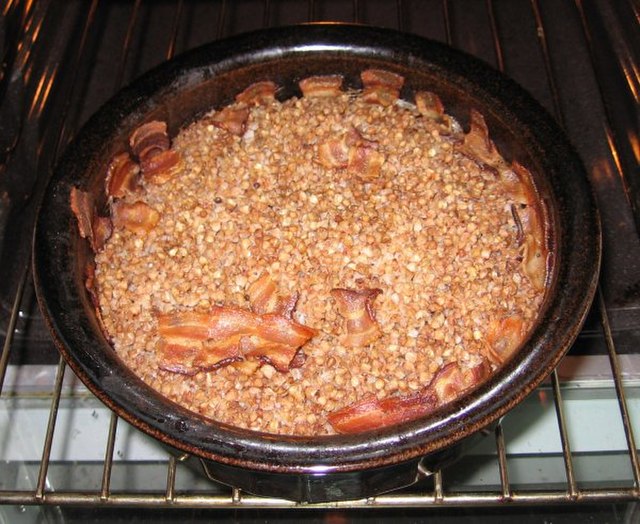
[
  {"x": 617, "y": 379},
  {"x": 51, "y": 427},
  {"x": 564, "y": 438},
  {"x": 108, "y": 457},
  {"x": 171, "y": 51}
]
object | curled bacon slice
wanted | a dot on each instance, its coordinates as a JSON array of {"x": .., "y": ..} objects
[
  {"x": 356, "y": 306},
  {"x": 264, "y": 298},
  {"x": 530, "y": 217},
  {"x": 380, "y": 86},
  {"x": 372, "y": 413},
  {"x": 263, "y": 294},
  {"x": 321, "y": 86},
  {"x": 136, "y": 216},
  {"x": 122, "y": 176},
  {"x": 258, "y": 93},
  {"x": 149, "y": 138},
  {"x": 429, "y": 105},
  {"x": 96, "y": 229},
  {"x": 161, "y": 167},
  {"x": 503, "y": 338},
  {"x": 354, "y": 152},
  {"x": 365, "y": 161},
  {"x": 192, "y": 341},
  {"x": 478, "y": 146},
  {"x": 451, "y": 380},
  {"x": 232, "y": 119},
  {"x": 334, "y": 153}
]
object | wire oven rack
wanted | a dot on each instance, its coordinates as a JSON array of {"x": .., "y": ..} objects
[{"x": 53, "y": 98}]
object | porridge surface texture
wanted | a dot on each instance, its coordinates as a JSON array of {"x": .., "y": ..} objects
[{"x": 433, "y": 230}]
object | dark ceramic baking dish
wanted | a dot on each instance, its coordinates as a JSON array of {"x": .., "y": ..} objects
[{"x": 328, "y": 467}]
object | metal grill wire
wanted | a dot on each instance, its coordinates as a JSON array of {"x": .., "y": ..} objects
[{"x": 439, "y": 496}]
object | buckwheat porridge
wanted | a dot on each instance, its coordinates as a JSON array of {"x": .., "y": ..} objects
[{"x": 330, "y": 263}]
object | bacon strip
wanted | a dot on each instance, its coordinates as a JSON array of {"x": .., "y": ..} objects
[
  {"x": 321, "y": 86},
  {"x": 263, "y": 294},
  {"x": 357, "y": 309},
  {"x": 122, "y": 176},
  {"x": 334, "y": 153},
  {"x": 365, "y": 161},
  {"x": 504, "y": 337},
  {"x": 96, "y": 229},
  {"x": 232, "y": 119},
  {"x": 530, "y": 218},
  {"x": 149, "y": 138},
  {"x": 191, "y": 342},
  {"x": 429, "y": 105},
  {"x": 258, "y": 93},
  {"x": 372, "y": 413},
  {"x": 354, "y": 152},
  {"x": 381, "y": 87},
  {"x": 137, "y": 216},
  {"x": 478, "y": 146},
  {"x": 535, "y": 249},
  {"x": 161, "y": 167}
]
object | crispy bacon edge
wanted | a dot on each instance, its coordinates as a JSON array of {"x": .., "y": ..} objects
[
  {"x": 371, "y": 413},
  {"x": 530, "y": 215},
  {"x": 95, "y": 228},
  {"x": 122, "y": 176},
  {"x": 381, "y": 86},
  {"x": 151, "y": 144},
  {"x": 356, "y": 307},
  {"x": 232, "y": 119},
  {"x": 191, "y": 342},
  {"x": 137, "y": 217},
  {"x": 263, "y": 92},
  {"x": 354, "y": 152},
  {"x": 321, "y": 86},
  {"x": 503, "y": 337}
]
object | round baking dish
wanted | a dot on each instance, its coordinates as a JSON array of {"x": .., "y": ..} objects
[{"x": 329, "y": 467}]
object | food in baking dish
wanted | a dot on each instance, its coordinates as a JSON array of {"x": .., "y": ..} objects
[{"x": 334, "y": 262}]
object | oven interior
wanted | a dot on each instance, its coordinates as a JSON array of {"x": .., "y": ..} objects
[{"x": 571, "y": 442}]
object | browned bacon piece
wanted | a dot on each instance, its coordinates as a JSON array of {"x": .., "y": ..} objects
[
  {"x": 149, "y": 139},
  {"x": 122, "y": 176},
  {"x": 354, "y": 152},
  {"x": 334, "y": 153},
  {"x": 503, "y": 338},
  {"x": 365, "y": 161},
  {"x": 83, "y": 207},
  {"x": 258, "y": 93},
  {"x": 232, "y": 119},
  {"x": 263, "y": 294},
  {"x": 451, "y": 380},
  {"x": 529, "y": 215},
  {"x": 321, "y": 86},
  {"x": 96, "y": 229},
  {"x": 161, "y": 167},
  {"x": 429, "y": 105},
  {"x": 136, "y": 216},
  {"x": 531, "y": 218},
  {"x": 477, "y": 144},
  {"x": 191, "y": 342},
  {"x": 380, "y": 86},
  {"x": 356, "y": 306},
  {"x": 372, "y": 413}
]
